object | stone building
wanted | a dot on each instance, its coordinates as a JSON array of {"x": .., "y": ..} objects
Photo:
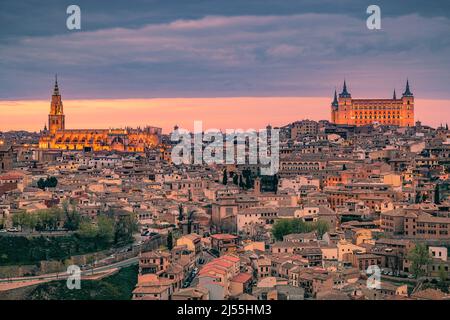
[
  {"x": 122, "y": 140},
  {"x": 348, "y": 111}
]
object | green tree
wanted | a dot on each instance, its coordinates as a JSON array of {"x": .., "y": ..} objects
[
  {"x": 41, "y": 184},
  {"x": 19, "y": 220},
  {"x": 247, "y": 177},
  {"x": 418, "y": 198},
  {"x": 420, "y": 259},
  {"x": 72, "y": 217},
  {"x": 225, "y": 177},
  {"x": 105, "y": 227},
  {"x": 88, "y": 229},
  {"x": 321, "y": 228},
  {"x": 284, "y": 227},
  {"x": 169, "y": 241},
  {"x": 30, "y": 221},
  {"x": 190, "y": 219},
  {"x": 124, "y": 229},
  {"x": 436, "y": 194},
  {"x": 180, "y": 212},
  {"x": 442, "y": 274},
  {"x": 241, "y": 182},
  {"x": 51, "y": 182},
  {"x": 275, "y": 183},
  {"x": 235, "y": 179},
  {"x": 281, "y": 228}
]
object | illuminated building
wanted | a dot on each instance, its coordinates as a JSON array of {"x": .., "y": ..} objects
[
  {"x": 359, "y": 112},
  {"x": 124, "y": 140}
]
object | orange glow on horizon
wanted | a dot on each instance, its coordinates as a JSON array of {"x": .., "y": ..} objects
[{"x": 220, "y": 113}]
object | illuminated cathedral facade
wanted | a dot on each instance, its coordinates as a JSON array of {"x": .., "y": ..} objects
[
  {"x": 56, "y": 136},
  {"x": 348, "y": 111}
]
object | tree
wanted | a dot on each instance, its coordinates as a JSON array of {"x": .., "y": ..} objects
[
  {"x": 241, "y": 182},
  {"x": 418, "y": 198},
  {"x": 321, "y": 228},
  {"x": 41, "y": 184},
  {"x": 105, "y": 227},
  {"x": 235, "y": 179},
  {"x": 420, "y": 259},
  {"x": 124, "y": 229},
  {"x": 284, "y": 227},
  {"x": 30, "y": 221},
  {"x": 19, "y": 220},
  {"x": 51, "y": 182},
  {"x": 49, "y": 219},
  {"x": 281, "y": 228},
  {"x": 247, "y": 174},
  {"x": 24, "y": 220},
  {"x": 88, "y": 229},
  {"x": 275, "y": 183},
  {"x": 72, "y": 217},
  {"x": 180, "y": 212},
  {"x": 442, "y": 273},
  {"x": 436, "y": 194},
  {"x": 169, "y": 240},
  {"x": 189, "y": 220},
  {"x": 225, "y": 177}
]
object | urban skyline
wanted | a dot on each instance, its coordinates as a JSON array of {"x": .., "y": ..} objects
[
  {"x": 217, "y": 113},
  {"x": 225, "y": 150}
]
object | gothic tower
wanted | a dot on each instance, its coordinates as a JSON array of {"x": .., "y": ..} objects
[
  {"x": 56, "y": 115},
  {"x": 407, "y": 107},
  {"x": 334, "y": 108},
  {"x": 344, "y": 106}
]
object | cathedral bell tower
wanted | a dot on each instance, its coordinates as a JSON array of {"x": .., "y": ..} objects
[
  {"x": 344, "y": 109},
  {"x": 56, "y": 115},
  {"x": 407, "y": 112}
]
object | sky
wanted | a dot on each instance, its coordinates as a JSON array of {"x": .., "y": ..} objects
[{"x": 226, "y": 62}]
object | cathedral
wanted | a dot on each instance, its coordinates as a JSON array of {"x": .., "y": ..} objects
[
  {"x": 56, "y": 136},
  {"x": 359, "y": 112}
]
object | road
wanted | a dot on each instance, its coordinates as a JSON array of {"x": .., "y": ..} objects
[
  {"x": 64, "y": 275},
  {"x": 86, "y": 272},
  {"x": 207, "y": 257}
]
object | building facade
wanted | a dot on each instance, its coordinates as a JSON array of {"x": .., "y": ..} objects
[
  {"x": 6, "y": 156},
  {"x": 304, "y": 128},
  {"x": 348, "y": 111},
  {"x": 122, "y": 140}
]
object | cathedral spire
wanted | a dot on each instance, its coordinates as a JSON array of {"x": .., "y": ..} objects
[
  {"x": 407, "y": 92},
  {"x": 344, "y": 93},
  {"x": 395, "y": 96},
  {"x": 56, "y": 89},
  {"x": 335, "y": 101}
]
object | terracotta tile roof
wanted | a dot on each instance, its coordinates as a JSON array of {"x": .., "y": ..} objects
[
  {"x": 429, "y": 294},
  {"x": 223, "y": 236},
  {"x": 231, "y": 258},
  {"x": 242, "y": 277}
]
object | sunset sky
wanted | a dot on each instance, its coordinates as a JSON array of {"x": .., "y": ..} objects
[{"x": 242, "y": 63}]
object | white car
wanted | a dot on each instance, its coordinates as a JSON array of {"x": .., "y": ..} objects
[{"x": 3, "y": 230}]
